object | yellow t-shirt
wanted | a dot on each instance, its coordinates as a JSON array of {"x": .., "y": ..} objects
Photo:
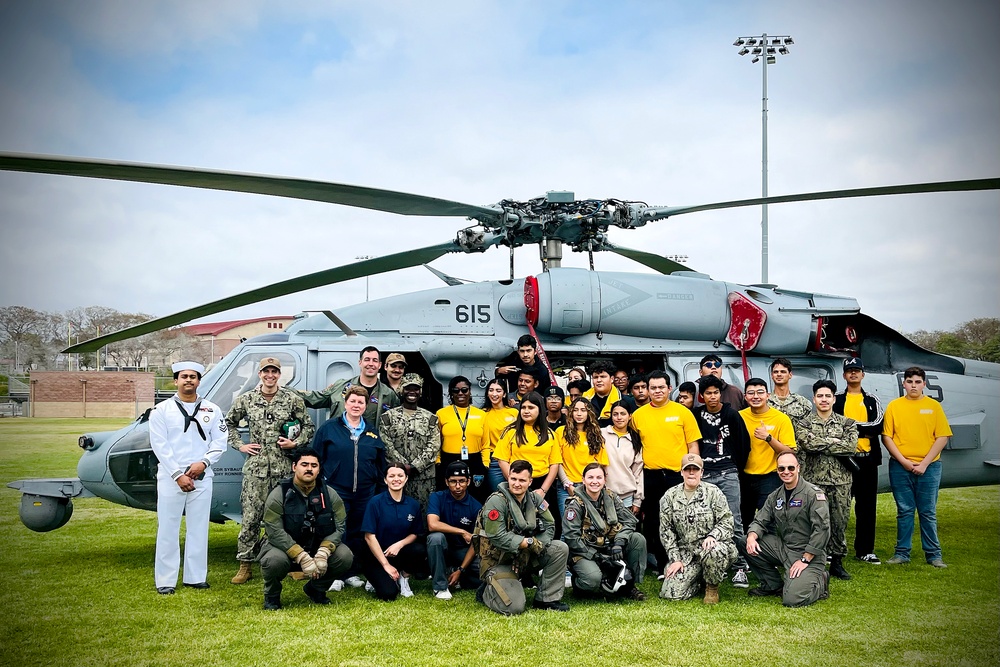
[
  {"x": 762, "y": 459},
  {"x": 496, "y": 422},
  {"x": 915, "y": 425},
  {"x": 541, "y": 457},
  {"x": 666, "y": 432},
  {"x": 577, "y": 457},
  {"x": 450, "y": 421},
  {"x": 854, "y": 408},
  {"x": 613, "y": 397}
]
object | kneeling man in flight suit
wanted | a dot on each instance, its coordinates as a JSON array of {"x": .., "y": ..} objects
[
  {"x": 304, "y": 521},
  {"x": 514, "y": 533},
  {"x": 789, "y": 534}
]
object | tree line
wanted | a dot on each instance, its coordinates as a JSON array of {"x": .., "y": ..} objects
[{"x": 33, "y": 339}]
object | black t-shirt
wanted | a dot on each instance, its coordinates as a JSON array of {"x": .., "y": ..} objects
[{"x": 725, "y": 443}]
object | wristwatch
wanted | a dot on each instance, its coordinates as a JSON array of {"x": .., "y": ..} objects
[
  {"x": 805, "y": 560},
  {"x": 529, "y": 540},
  {"x": 768, "y": 439}
]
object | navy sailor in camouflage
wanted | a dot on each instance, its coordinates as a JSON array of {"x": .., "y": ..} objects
[
  {"x": 279, "y": 424},
  {"x": 412, "y": 438},
  {"x": 696, "y": 528},
  {"x": 825, "y": 440}
]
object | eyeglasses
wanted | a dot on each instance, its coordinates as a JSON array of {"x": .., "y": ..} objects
[
  {"x": 759, "y": 392},
  {"x": 784, "y": 468},
  {"x": 712, "y": 364},
  {"x": 457, "y": 482},
  {"x": 461, "y": 390}
]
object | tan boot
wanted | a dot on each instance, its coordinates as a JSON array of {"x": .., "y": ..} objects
[
  {"x": 711, "y": 594},
  {"x": 243, "y": 575}
]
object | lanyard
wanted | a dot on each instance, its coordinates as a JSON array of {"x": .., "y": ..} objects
[{"x": 461, "y": 423}]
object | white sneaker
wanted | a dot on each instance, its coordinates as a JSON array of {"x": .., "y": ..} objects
[
  {"x": 443, "y": 595},
  {"x": 369, "y": 587},
  {"x": 337, "y": 585},
  {"x": 569, "y": 580},
  {"x": 355, "y": 582},
  {"x": 404, "y": 587}
]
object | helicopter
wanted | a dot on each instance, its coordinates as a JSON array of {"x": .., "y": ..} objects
[{"x": 641, "y": 321}]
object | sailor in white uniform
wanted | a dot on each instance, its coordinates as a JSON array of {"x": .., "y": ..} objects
[{"x": 188, "y": 436}]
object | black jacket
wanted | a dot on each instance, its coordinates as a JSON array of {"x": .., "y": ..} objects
[{"x": 871, "y": 429}]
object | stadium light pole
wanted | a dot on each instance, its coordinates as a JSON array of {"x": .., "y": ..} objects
[
  {"x": 767, "y": 48},
  {"x": 362, "y": 258}
]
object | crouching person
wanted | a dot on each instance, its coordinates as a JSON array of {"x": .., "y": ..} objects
[
  {"x": 789, "y": 535},
  {"x": 514, "y": 534},
  {"x": 696, "y": 527},
  {"x": 304, "y": 522},
  {"x": 600, "y": 533}
]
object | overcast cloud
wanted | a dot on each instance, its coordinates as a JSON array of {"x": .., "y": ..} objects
[{"x": 482, "y": 101}]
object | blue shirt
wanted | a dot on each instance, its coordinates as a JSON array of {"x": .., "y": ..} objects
[
  {"x": 390, "y": 521},
  {"x": 456, "y": 513}
]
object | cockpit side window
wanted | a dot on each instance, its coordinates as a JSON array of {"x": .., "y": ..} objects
[{"x": 242, "y": 376}]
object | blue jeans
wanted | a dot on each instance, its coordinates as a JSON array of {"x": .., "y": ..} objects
[
  {"x": 728, "y": 482},
  {"x": 494, "y": 476},
  {"x": 916, "y": 493}
]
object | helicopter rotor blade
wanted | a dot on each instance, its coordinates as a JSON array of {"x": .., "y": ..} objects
[
  {"x": 657, "y": 262},
  {"x": 358, "y": 196},
  {"x": 368, "y": 267},
  {"x": 658, "y": 213}
]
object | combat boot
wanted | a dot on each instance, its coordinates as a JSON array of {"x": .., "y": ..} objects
[
  {"x": 837, "y": 568},
  {"x": 243, "y": 575},
  {"x": 711, "y": 594}
]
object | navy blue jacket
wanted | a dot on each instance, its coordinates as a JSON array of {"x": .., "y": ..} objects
[{"x": 353, "y": 470}]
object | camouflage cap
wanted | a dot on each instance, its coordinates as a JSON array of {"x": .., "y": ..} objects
[
  {"x": 411, "y": 378},
  {"x": 269, "y": 361},
  {"x": 692, "y": 460},
  {"x": 395, "y": 358}
]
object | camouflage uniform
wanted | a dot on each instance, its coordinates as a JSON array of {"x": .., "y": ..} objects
[
  {"x": 500, "y": 528},
  {"x": 261, "y": 473},
  {"x": 684, "y": 525},
  {"x": 820, "y": 442},
  {"x": 412, "y": 437},
  {"x": 794, "y": 405},
  {"x": 592, "y": 528},
  {"x": 381, "y": 399}
]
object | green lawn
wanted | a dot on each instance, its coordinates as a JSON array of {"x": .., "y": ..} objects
[{"x": 83, "y": 595}]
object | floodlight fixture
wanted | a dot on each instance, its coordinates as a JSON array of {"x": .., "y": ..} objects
[{"x": 769, "y": 47}]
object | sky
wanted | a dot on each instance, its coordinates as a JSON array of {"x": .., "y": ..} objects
[{"x": 479, "y": 101}]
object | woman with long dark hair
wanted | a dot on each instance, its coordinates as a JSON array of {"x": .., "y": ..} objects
[
  {"x": 463, "y": 436},
  {"x": 530, "y": 439},
  {"x": 498, "y": 417},
  {"x": 580, "y": 442}
]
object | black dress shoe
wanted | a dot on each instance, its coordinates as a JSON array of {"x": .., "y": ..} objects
[
  {"x": 200, "y": 584},
  {"x": 761, "y": 592},
  {"x": 554, "y": 605},
  {"x": 165, "y": 590},
  {"x": 272, "y": 603}
]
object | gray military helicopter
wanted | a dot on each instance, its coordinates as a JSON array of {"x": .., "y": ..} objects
[{"x": 640, "y": 321}]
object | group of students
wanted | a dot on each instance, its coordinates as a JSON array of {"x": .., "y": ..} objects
[{"x": 579, "y": 458}]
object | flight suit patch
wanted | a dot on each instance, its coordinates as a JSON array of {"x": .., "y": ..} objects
[{"x": 493, "y": 515}]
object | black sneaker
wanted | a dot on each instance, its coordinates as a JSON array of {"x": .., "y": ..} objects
[
  {"x": 871, "y": 559},
  {"x": 272, "y": 603},
  {"x": 554, "y": 605},
  {"x": 165, "y": 590}
]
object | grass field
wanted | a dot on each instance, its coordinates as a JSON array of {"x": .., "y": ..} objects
[{"x": 83, "y": 595}]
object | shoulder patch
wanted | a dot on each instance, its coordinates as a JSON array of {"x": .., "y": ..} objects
[
  {"x": 820, "y": 496},
  {"x": 493, "y": 515},
  {"x": 570, "y": 514}
]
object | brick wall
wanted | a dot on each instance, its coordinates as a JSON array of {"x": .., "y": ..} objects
[{"x": 90, "y": 393}]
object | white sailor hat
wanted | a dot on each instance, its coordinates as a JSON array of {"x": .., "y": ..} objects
[{"x": 188, "y": 366}]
